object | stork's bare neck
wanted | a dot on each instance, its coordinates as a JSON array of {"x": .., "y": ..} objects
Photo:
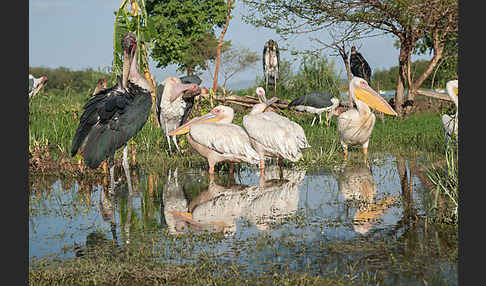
[
  {"x": 130, "y": 65},
  {"x": 135, "y": 77}
]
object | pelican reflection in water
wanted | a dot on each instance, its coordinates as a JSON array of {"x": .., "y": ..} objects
[
  {"x": 356, "y": 184},
  {"x": 220, "y": 207}
]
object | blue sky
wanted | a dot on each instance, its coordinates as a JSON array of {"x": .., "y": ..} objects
[{"x": 79, "y": 34}]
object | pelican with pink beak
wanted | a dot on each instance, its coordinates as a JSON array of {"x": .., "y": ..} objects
[
  {"x": 356, "y": 125},
  {"x": 214, "y": 137}
]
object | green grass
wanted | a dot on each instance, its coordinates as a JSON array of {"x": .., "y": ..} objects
[{"x": 53, "y": 119}]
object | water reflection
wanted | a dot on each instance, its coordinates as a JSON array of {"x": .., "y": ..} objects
[
  {"x": 358, "y": 187},
  {"x": 310, "y": 220},
  {"x": 219, "y": 207}
]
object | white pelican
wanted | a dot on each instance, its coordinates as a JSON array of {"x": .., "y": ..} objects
[
  {"x": 171, "y": 107},
  {"x": 450, "y": 123},
  {"x": 317, "y": 103},
  {"x": 217, "y": 139},
  {"x": 273, "y": 135},
  {"x": 355, "y": 125}
]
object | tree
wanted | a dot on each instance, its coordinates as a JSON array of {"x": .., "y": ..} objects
[
  {"x": 236, "y": 60},
  {"x": 182, "y": 28},
  {"x": 410, "y": 21},
  {"x": 220, "y": 45}
]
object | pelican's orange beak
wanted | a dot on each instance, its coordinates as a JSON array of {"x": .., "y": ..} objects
[
  {"x": 366, "y": 94},
  {"x": 183, "y": 129}
]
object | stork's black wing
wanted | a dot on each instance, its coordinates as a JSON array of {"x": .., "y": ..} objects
[
  {"x": 315, "y": 99},
  {"x": 158, "y": 99},
  {"x": 109, "y": 120},
  {"x": 359, "y": 66},
  {"x": 189, "y": 97}
]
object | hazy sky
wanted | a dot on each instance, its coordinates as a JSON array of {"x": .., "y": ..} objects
[{"x": 79, "y": 34}]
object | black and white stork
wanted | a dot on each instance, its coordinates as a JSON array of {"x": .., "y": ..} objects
[
  {"x": 317, "y": 103},
  {"x": 175, "y": 99},
  {"x": 35, "y": 84},
  {"x": 359, "y": 66},
  {"x": 114, "y": 115},
  {"x": 271, "y": 64}
]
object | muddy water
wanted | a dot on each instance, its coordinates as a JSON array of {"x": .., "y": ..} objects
[{"x": 348, "y": 219}]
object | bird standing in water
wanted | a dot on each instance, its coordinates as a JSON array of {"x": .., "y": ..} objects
[
  {"x": 355, "y": 125},
  {"x": 113, "y": 116},
  {"x": 215, "y": 138},
  {"x": 273, "y": 135}
]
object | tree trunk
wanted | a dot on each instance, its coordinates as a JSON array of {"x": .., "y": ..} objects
[
  {"x": 403, "y": 60},
  {"x": 220, "y": 46},
  {"x": 344, "y": 56},
  {"x": 438, "y": 52}
]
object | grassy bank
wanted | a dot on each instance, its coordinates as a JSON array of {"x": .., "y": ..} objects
[{"x": 53, "y": 119}]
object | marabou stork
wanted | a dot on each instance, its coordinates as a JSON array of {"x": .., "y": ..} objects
[
  {"x": 273, "y": 135},
  {"x": 113, "y": 116},
  {"x": 451, "y": 123},
  {"x": 359, "y": 66},
  {"x": 355, "y": 125},
  {"x": 175, "y": 98},
  {"x": 316, "y": 102},
  {"x": 217, "y": 139},
  {"x": 35, "y": 84},
  {"x": 271, "y": 64}
]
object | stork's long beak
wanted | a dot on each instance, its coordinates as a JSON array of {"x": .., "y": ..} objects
[
  {"x": 373, "y": 99},
  {"x": 183, "y": 129},
  {"x": 179, "y": 89}
]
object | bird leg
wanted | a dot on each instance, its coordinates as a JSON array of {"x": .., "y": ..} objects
[
  {"x": 211, "y": 172},
  {"x": 168, "y": 142},
  {"x": 345, "y": 153},
  {"x": 232, "y": 173},
  {"x": 111, "y": 162},
  {"x": 262, "y": 168},
  {"x": 320, "y": 119},
  {"x": 365, "y": 154},
  {"x": 174, "y": 139},
  {"x": 126, "y": 167},
  {"x": 312, "y": 124}
]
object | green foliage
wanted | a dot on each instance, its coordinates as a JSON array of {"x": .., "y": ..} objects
[
  {"x": 79, "y": 81},
  {"x": 185, "y": 31}
]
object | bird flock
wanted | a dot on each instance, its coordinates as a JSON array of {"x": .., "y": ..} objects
[{"x": 114, "y": 115}]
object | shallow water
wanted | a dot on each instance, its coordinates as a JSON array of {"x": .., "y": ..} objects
[{"x": 321, "y": 220}]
